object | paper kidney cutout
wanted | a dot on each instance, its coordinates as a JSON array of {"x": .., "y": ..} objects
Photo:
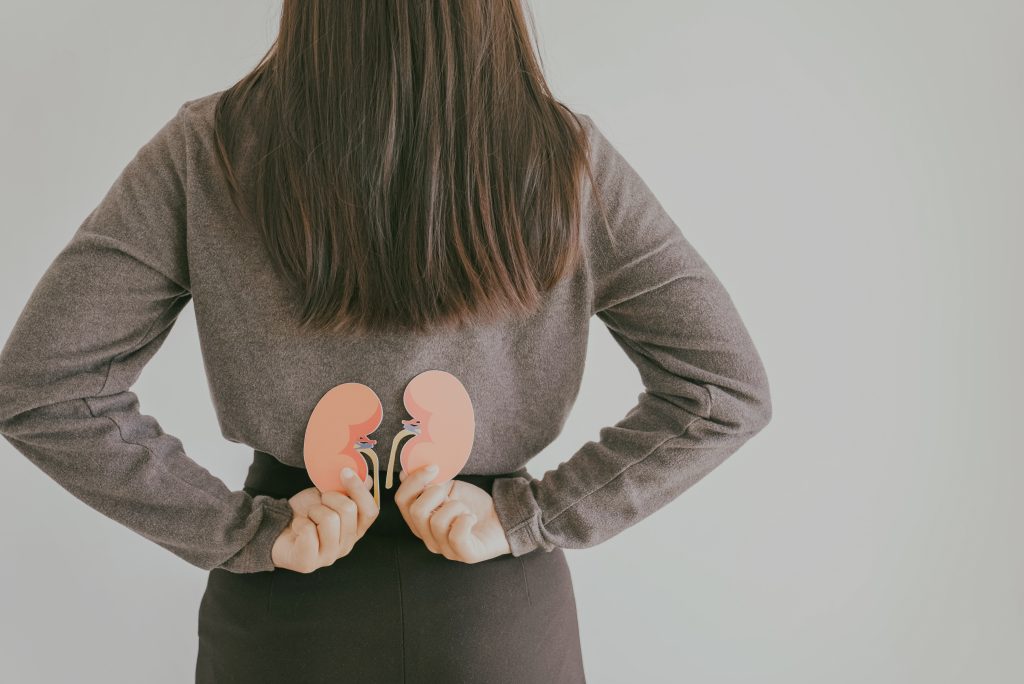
[
  {"x": 337, "y": 436},
  {"x": 442, "y": 426}
]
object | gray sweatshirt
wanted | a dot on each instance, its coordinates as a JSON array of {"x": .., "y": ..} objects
[{"x": 166, "y": 233}]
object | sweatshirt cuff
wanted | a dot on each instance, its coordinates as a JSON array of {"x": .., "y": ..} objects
[
  {"x": 255, "y": 556},
  {"x": 519, "y": 515}
]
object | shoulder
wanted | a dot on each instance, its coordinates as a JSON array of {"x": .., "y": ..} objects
[
  {"x": 606, "y": 162},
  {"x": 190, "y": 130},
  {"x": 595, "y": 134},
  {"x": 202, "y": 106},
  {"x": 195, "y": 116}
]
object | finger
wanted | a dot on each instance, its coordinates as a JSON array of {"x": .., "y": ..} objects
[
  {"x": 440, "y": 523},
  {"x": 420, "y": 511},
  {"x": 407, "y": 493},
  {"x": 328, "y": 528},
  {"x": 461, "y": 539},
  {"x": 413, "y": 484},
  {"x": 350, "y": 532},
  {"x": 302, "y": 501},
  {"x": 305, "y": 546},
  {"x": 367, "y": 508},
  {"x": 348, "y": 512}
]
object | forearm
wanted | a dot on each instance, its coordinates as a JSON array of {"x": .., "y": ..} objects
[{"x": 122, "y": 464}]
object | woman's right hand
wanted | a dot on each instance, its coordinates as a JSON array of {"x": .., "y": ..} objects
[{"x": 325, "y": 526}]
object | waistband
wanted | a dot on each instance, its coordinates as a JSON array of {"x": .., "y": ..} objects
[{"x": 271, "y": 477}]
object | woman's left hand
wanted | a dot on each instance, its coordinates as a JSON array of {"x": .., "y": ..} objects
[{"x": 454, "y": 518}]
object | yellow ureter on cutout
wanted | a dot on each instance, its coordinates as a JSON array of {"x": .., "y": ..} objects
[
  {"x": 402, "y": 434},
  {"x": 372, "y": 455}
]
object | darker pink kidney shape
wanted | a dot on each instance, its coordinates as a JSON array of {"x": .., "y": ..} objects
[
  {"x": 443, "y": 414},
  {"x": 343, "y": 417}
]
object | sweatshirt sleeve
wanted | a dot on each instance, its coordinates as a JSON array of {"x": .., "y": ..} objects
[
  {"x": 705, "y": 389},
  {"x": 101, "y": 310}
]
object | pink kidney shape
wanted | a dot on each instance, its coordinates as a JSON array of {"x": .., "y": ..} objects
[
  {"x": 345, "y": 414},
  {"x": 441, "y": 406}
]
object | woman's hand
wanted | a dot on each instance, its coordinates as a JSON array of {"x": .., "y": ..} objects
[
  {"x": 455, "y": 518},
  {"x": 325, "y": 526}
]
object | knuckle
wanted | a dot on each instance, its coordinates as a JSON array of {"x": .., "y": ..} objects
[
  {"x": 420, "y": 508},
  {"x": 319, "y": 509},
  {"x": 309, "y": 531},
  {"x": 332, "y": 497}
]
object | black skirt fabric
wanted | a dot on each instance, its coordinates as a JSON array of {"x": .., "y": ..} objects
[{"x": 390, "y": 611}]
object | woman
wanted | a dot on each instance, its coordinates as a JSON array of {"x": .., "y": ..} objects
[{"x": 392, "y": 189}]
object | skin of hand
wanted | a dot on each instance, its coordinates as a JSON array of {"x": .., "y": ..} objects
[
  {"x": 325, "y": 526},
  {"x": 455, "y": 518}
]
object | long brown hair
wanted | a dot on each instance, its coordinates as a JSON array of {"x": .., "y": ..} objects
[{"x": 413, "y": 168}]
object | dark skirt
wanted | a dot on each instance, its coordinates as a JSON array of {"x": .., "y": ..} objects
[{"x": 390, "y": 611}]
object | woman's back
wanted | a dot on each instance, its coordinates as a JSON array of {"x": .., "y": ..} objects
[
  {"x": 522, "y": 373},
  {"x": 167, "y": 232}
]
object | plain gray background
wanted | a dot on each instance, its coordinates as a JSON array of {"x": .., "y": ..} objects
[{"x": 851, "y": 170}]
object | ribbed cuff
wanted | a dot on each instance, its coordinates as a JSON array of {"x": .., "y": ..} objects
[
  {"x": 255, "y": 556},
  {"x": 519, "y": 514}
]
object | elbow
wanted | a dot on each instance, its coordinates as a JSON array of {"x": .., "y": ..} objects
[
  {"x": 15, "y": 399},
  {"x": 752, "y": 397},
  {"x": 740, "y": 412},
  {"x": 11, "y": 392},
  {"x": 7, "y": 408},
  {"x": 757, "y": 406},
  {"x": 760, "y": 410},
  {"x": 10, "y": 414},
  {"x": 18, "y": 403}
]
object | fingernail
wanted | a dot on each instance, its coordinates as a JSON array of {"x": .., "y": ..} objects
[
  {"x": 347, "y": 472},
  {"x": 432, "y": 469}
]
